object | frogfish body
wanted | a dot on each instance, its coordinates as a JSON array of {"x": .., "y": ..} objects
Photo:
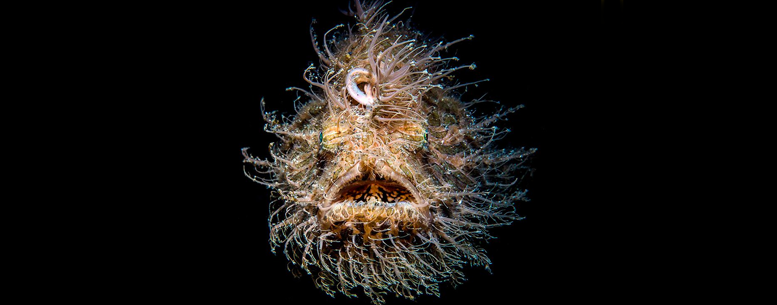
[{"x": 385, "y": 181}]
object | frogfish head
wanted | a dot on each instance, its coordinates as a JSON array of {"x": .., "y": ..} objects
[{"x": 385, "y": 180}]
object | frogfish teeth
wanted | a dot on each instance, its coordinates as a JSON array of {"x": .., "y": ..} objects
[{"x": 385, "y": 182}]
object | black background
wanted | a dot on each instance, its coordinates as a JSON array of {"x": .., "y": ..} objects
[{"x": 575, "y": 65}]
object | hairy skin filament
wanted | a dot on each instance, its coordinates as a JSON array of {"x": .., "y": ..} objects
[{"x": 385, "y": 181}]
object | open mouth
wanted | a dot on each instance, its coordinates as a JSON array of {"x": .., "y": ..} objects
[{"x": 366, "y": 211}]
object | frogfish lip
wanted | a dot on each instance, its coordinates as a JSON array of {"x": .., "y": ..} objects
[
  {"x": 371, "y": 206},
  {"x": 380, "y": 172}
]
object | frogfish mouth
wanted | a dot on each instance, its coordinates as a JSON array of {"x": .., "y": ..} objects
[
  {"x": 372, "y": 206},
  {"x": 385, "y": 181}
]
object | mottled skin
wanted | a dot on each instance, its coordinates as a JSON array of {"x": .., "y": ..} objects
[{"x": 384, "y": 179}]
